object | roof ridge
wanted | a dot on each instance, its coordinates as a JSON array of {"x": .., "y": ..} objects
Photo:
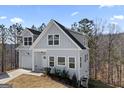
[
  {"x": 34, "y": 31},
  {"x": 76, "y": 32},
  {"x": 66, "y": 30}
]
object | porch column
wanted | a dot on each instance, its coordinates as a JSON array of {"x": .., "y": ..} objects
[{"x": 33, "y": 60}]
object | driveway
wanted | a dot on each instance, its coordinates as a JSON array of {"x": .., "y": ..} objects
[{"x": 6, "y": 77}]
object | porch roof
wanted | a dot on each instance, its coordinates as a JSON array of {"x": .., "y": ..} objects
[{"x": 40, "y": 50}]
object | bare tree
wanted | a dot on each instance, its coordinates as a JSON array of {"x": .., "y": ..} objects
[
  {"x": 15, "y": 37},
  {"x": 3, "y": 38}
]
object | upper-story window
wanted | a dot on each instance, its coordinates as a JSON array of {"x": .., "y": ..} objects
[
  {"x": 56, "y": 39},
  {"x": 27, "y": 41},
  {"x": 85, "y": 57},
  {"x": 53, "y": 39},
  {"x": 80, "y": 62},
  {"x": 50, "y": 39}
]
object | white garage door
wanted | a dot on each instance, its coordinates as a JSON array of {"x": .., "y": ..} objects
[{"x": 26, "y": 61}]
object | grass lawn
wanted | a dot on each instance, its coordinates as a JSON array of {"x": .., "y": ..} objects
[{"x": 30, "y": 81}]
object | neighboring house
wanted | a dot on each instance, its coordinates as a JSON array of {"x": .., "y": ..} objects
[{"x": 57, "y": 46}]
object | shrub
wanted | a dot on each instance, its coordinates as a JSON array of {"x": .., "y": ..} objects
[
  {"x": 74, "y": 80},
  {"x": 47, "y": 70},
  {"x": 65, "y": 74},
  {"x": 57, "y": 72},
  {"x": 98, "y": 84}
]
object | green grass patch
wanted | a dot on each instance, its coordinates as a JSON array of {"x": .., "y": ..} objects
[{"x": 98, "y": 84}]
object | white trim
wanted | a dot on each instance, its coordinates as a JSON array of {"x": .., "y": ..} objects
[
  {"x": 41, "y": 35},
  {"x": 23, "y": 49},
  {"x": 47, "y": 39},
  {"x": 40, "y": 50},
  {"x": 28, "y": 31},
  {"x": 21, "y": 59},
  {"x": 56, "y": 49},
  {"x": 33, "y": 61},
  {"x": 78, "y": 62},
  {"x": 57, "y": 61},
  {"x": 67, "y": 36},
  {"x": 75, "y": 62},
  {"x": 53, "y": 40},
  {"x": 46, "y": 29},
  {"x": 27, "y": 37}
]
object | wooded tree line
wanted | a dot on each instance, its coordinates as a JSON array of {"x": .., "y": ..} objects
[
  {"x": 10, "y": 38},
  {"x": 106, "y": 50}
]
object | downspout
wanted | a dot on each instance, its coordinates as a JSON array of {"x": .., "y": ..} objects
[
  {"x": 78, "y": 65},
  {"x": 33, "y": 60}
]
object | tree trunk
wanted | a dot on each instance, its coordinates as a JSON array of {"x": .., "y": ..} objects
[
  {"x": 11, "y": 58},
  {"x": 2, "y": 61},
  {"x": 120, "y": 74}
]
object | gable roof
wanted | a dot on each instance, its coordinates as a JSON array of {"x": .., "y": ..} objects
[
  {"x": 75, "y": 36},
  {"x": 34, "y": 31}
]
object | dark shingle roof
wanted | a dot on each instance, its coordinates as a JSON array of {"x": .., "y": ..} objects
[
  {"x": 75, "y": 36},
  {"x": 34, "y": 31}
]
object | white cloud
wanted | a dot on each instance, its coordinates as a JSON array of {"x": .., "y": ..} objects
[
  {"x": 108, "y": 6},
  {"x": 115, "y": 23},
  {"x": 74, "y": 13},
  {"x": 16, "y": 20},
  {"x": 117, "y": 17},
  {"x": 3, "y": 17}
]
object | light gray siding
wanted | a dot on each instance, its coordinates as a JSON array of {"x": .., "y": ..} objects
[
  {"x": 26, "y": 32},
  {"x": 84, "y": 70},
  {"x": 25, "y": 59},
  {"x": 38, "y": 60},
  {"x": 80, "y": 37},
  {"x": 66, "y": 48},
  {"x": 66, "y": 54},
  {"x": 64, "y": 40}
]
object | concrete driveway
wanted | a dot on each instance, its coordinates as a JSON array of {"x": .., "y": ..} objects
[{"x": 6, "y": 77}]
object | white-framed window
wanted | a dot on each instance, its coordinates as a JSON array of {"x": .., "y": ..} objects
[
  {"x": 56, "y": 39},
  {"x": 80, "y": 62},
  {"x": 71, "y": 62},
  {"x": 85, "y": 57},
  {"x": 51, "y": 61},
  {"x": 50, "y": 39},
  {"x": 53, "y": 39},
  {"x": 27, "y": 41},
  {"x": 61, "y": 60}
]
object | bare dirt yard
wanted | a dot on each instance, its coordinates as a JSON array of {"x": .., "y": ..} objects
[{"x": 31, "y": 81}]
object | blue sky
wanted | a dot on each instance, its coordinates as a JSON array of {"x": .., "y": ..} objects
[{"x": 29, "y": 15}]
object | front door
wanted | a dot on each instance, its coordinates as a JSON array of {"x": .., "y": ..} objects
[{"x": 44, "y": 60}]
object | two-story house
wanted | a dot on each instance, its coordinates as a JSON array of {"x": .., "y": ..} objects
[{"x": 57, "y": 46}]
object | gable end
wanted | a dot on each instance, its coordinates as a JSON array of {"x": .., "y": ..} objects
[{"x": 70, "y": 35}]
